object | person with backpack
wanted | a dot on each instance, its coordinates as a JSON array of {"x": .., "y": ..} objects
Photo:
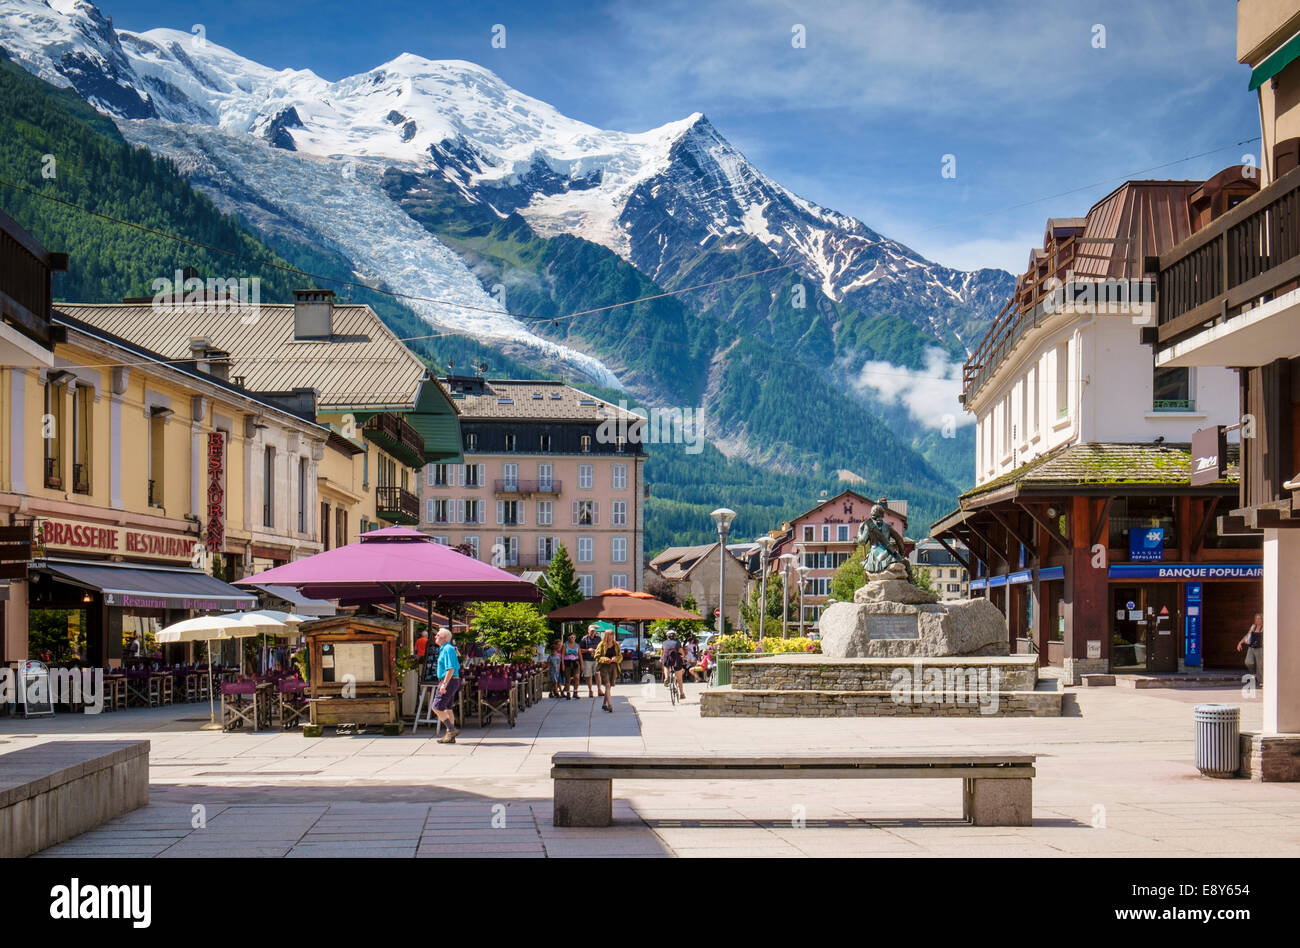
[{"x": 1253, "y": 643}]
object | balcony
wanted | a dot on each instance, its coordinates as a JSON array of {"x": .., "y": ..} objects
[
  {"x": 525, "y": 488},
  {"x": 80, "y": 479},
  {"x": 53, "y": 477},
  {"x": 397, "y": 505},
  {"x": 1240, "y": 261},
  {"x": 395, "y": 437},
  {"x": 524, "y": 561}
]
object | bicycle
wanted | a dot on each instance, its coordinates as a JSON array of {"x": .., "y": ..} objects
[{"x": 671, "y": 682}]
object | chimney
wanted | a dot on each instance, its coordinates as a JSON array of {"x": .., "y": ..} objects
[
  {"x": 209, "y": 359},
  {"x": 313, "y": 313}
]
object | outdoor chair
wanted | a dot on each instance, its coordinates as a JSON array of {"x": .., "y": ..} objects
[
  {"x": 294, "y": 705},
  {"x": 496, "y": 695},
  {"x": 239, "y": 705},
  {"x": 166, "y": 690},
  {"x": 115, "y": 694}
]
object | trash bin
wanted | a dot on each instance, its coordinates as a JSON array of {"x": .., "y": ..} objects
[{"x": 1218, "y": 739}]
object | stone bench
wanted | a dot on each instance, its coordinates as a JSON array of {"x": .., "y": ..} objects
[
  {"x": 55, "y": 791},
  {"x": 997, "y": 789}
]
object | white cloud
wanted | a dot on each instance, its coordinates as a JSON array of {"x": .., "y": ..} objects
[{"x": 929, "y": 394}]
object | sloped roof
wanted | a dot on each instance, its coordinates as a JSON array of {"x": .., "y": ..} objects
[
  {"x": 678, "y": 562},
  {"x": 362, "y": 365},
  {"x": 1138, "y": 219},
  {"x": 1101, "y": 464},
  {"x": 525, "y": 400},
  {"x": 857, "y": 496}
]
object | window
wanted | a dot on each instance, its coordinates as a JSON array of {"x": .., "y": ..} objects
[
  {"x": 510, "y": 472},
  {"x": 586, "y": 476},
  {"x": 618, "y": 513},
  {"x": 440, "y": 510},
  {"x": 365, "y": 468},
  {"x": 544, "y": 443},
  {"x": 1171, "y": 390},
  {"x": 586, "y": 444},
  {"x": 473, "y": 510},
  {"x": 619, "y": 477},
  {"x": 618, "y": 580},
  {"x": 324, "y": 525},
  {"x": 1128, "y": 513},
  {"x": 473, "y": 475},
  {"x": 586, "y": 550},
  {"x": 842, "y": 533},
  {"x": 158, "y": 455},
  {"x": 1032, "y": 395},
  {"x": 268, "y": 486},
  {"x": 585, "y": 513},
  {"x": 826, "y": 532},
  {"x": 302, "y": 495},
  {"x": 52, "y": 435},
  {"x": 545, "y": 513},
  {"x": 510, "y": 512},
  {"x": 545, "y": 476},
  {"x": 440, "y": 478},
  {"x": 618, "y": 550},
  {"x": 1063, "y": 380},
  {"x": 82, "y": 400},
  {"x": 340, "y": 527},
  {"x": 511, "y": 441},
  {"x": 587, "y": 583},
  {"x": 545, "y": 550},
  {"x": 441, "y": 538},
  {"x": 1007, "y": 435},
  {"x": 471, "y": 441},
  {"x": 809, "y": 532}
]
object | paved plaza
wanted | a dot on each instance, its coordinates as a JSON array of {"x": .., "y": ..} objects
[{"x": 1115, "y": 778}]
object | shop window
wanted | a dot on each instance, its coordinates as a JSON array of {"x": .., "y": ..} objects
[{"x": 1127, "y": 513}]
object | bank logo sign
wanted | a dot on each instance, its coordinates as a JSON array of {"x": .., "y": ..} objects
[{"x": 1146, "y": 544}]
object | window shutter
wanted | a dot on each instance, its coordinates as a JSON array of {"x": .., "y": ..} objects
[
  {"x": 595, "y": 512},
  {"x": 575, "y": 512},
  {"x": 501, "y": 511},
  {"x": 521, "y": 512},
  {"x": 460, "y": 473},
  {"x": 428, "y": 510},
  {"x": 460, "y": 511}
]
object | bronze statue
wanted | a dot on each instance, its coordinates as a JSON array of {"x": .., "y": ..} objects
[{"x": 884, "y": 544}]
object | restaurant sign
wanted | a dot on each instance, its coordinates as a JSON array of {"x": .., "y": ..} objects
[
  {"x": 79, "y": 536},
  {"x": 215, "y": 534}
]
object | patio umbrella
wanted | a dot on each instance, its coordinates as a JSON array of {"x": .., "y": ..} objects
[
  {"x": 622, "y": 604},
  {"x": 209, "y": 629},
  {"x": 396, "y": 563},
  {"x": 274, "y": 624}
]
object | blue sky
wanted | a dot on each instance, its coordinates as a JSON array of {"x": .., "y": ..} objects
[{"x": 861, "y": 117}]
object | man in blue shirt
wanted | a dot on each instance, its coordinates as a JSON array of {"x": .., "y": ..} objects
[{"x": 448, "y": 685}]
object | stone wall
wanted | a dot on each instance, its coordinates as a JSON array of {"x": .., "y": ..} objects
[
  {"x": 820, "y": 673},
  {"x": 1073, "y": 669},
  {"x": 55, "y": 791},
  {"x": 728, "y": 702},
  {"x": 1270, "y": 757}
]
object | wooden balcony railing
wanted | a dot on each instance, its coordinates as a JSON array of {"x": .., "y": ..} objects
[
  {"x": 397, "y": 505},
  {"x": 1249, "y": 255},
  {"x": 396, "y": 437}
]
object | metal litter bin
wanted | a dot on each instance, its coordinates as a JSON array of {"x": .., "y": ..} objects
[{"x": 1218, "y": 739}]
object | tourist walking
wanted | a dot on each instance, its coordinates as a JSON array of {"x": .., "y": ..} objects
[
  {"x": 608, "y": 657},
  {"x": 572, "y": 666},
  {"x": 448, "y": 685},
  {"x": 556, "y": 661},
  {"x": 1253, "y": 643},
  {"x": 588, "y": 644}
]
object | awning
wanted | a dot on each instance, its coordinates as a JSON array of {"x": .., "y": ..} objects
[
  {"x": 142, "y": 588},
  {"x": 304, "y": 605},
  {"x": 1270, "y": 67}
]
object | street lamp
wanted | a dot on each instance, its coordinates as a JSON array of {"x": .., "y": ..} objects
[
  {"x": 803, "y": 581},
  {"x": 764, "y": 547},
  {"x": 722, "y": 517},
  {"x": 786, "y": 559}
]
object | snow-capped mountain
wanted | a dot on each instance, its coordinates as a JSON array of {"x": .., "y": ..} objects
[{"x": 653, "y": 197}]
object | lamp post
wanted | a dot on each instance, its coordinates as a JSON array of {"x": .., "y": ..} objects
[
  {"x": 803, "y": 581},
  {"x": 786, "y": 559},
  {"x": 764, "y": 547},
  {"x": 722, "y": 517}
]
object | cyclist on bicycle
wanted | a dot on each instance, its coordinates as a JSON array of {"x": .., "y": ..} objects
[{"x": 673, "y": 660}]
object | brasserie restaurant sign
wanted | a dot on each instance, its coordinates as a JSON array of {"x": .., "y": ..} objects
[{"x": 80, "y": 536}]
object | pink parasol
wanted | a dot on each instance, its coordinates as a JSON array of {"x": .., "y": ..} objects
[{"x": 398, "y": 561}]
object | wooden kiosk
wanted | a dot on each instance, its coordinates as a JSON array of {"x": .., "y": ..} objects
[{"x": 352, "y": 662}]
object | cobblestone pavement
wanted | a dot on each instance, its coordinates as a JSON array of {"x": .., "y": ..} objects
[{"x": 1115, "y": 777}]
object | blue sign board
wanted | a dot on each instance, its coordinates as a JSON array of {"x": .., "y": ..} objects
[
  {"x": 1187, "y": 571},
  {"x": 1192, "y": 624},
  {"x": 1146, "y": 544}
]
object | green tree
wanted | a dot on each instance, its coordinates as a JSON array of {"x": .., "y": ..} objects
[
  {"x": 514, "y": 629},
  {"x": 658, "y": 630},
  {"x": 850, "y": 576},
  {"x": 749, "y": 608},
  {"x": 921, "y": 577},
  {"x": 559, "y": 584}
]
